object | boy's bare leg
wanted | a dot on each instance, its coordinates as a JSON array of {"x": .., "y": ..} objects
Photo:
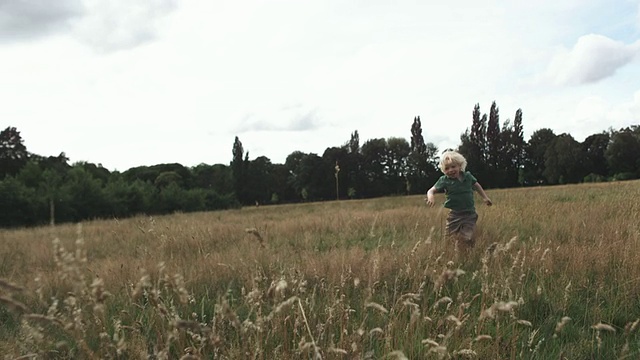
[
  {"x": 465, "y": 240},
  {"x": 464, "y": 245}
]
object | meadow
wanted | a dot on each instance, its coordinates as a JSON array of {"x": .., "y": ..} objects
[{"x": 555, "y": 274}]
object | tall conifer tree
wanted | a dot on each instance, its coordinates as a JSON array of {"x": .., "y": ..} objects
[{"x": 239, "y": 170}]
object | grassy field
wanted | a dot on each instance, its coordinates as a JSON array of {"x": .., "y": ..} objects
[{"x": 555, "y": 274}]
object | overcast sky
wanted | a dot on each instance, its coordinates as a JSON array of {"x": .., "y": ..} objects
[{"x": 126, "y": 83}]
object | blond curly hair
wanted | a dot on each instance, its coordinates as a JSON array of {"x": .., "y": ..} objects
[{"x": 452, "y": 157}]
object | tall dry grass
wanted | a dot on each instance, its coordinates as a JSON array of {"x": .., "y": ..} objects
[{"x": 554, "y": 274}]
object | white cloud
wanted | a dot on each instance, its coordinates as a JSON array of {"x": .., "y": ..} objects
[
  {"x": 21, "y": 20},
  {"x": 593, "y": 58},
  {"x": 103, "y": 25},
  {"x": 594, "y": 114},
  {"x": 289, "y": 75},
  {"x": 121, "y": 24},
  {"x": 290, "y": 118}
]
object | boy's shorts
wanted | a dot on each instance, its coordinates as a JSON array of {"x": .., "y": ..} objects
[{"x": 462, "y": 224}]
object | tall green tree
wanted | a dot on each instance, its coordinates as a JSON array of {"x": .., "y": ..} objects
[
  {"x": 417, "y": 140},
  {"x": 217, "y": 177},
  {"x": 494, "y": 142},
  {"x": 398, "y": 150},
  {"x": 473, "y": 146},
  {"x": 30, "y": 174},
  {"x": 564, "y": 161},
  {"x": 512, "y": 151},
  {"x": 167, "y": 178},
  {"x": 351, "y": 172},
  {"x": 128, "y": 198},
  {"x": 292, "y": 164},
  {"x": 260, "y": 180},
  {"x": 183, "y": 172},
  {"x": 337, "y": 158},
  {"x": 17, "y": 207},
  {"x": 622, "y": 154},
  {"x": 353, "y": 146},
  {"x": 13, "y": 152},
  {"x": 85, "y": 194},
  {"x": 35, "y": 178},
  {"x": 283, "y": 192},
  {"x": 59, "y": 163},
  {"x": 54, "y": 173},
  {"x": 96, "y": 171},
  {"x": 534, "y": 163},
  {"x": 494, "y": 154},
  {"x": 478, "y": 137},
  {"x": 171, "y": 198},
  {"x": 594, "y": 147},
  {"x": 421, "y": 163},
  {"x": 418, "y": 166},
  {"x": 517, "y": 139},
  {"x": 375, "y": 167},
  {"x": 239, "y": 167},
  {"x": 52, "y": 181},
  {"x": 310, "y": 177}
]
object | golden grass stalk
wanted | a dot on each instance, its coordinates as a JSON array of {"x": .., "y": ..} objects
[
  {"x": 13, "y": 304},
  {"x": 376, "y": 306},
  {"x": 5, "y": 284},
  {"x": 561, "y": 324},
  {"x": 256, "y": 234},
  {"x": 603, "y": 327}
]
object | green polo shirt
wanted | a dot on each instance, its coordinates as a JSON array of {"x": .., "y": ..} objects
[{"x": 458, "y": 193}]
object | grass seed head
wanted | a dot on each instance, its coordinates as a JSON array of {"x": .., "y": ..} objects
[
  {"x": 603, "y": 327},
  {"x": 560, "y": 325},
  {"x": 525, "y": 323},
  {"x": 376, "y": 306},
  {"x": 398, "y": 355},
  {"x": 465, "y": 354},
  {"x": 631, "y": 327},
  {"x": 5, "y": 284},
  {"x": 482, "y": 338}
]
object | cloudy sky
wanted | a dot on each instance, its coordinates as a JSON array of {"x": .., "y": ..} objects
[{"x": 126, "y": 83}]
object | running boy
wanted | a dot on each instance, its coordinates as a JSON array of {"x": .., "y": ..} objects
[{"x": 458, "y": 186}]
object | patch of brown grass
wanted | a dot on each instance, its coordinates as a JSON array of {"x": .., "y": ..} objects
[{"x": 362, "y": 279}]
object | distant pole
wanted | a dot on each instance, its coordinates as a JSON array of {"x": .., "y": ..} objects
[
  {"x": 337, "y": 185},
  {"x": 52, "y": 212}
]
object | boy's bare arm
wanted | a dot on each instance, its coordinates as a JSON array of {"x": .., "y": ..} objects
[
  {"x": 431, "y": 196},
  {"x": 480, "y": 191}
]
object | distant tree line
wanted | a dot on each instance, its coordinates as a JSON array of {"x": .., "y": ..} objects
[
  {"x": 501, "y": 158},
  {"x": 36, "y": 190}
]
